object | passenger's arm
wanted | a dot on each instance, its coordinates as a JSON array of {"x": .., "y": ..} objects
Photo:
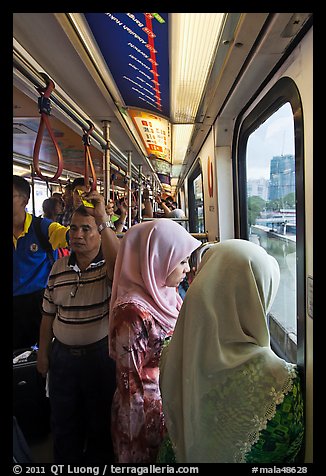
[
  {"x": 46, "y": 336},
  {"x": 58, "y": 235},
  {"x": 122, "y": 220},
  {"x": 110, "y": 242},
  {"x": 166, "y": 209},
  {"x": 162, "y": 205},
  {"x": 148, "y": 210}
]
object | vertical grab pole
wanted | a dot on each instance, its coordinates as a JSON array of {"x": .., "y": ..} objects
[
  {"x": 33, "y": 188},
  {"x": 140, "y": 210},
  {"x": 154, "y": 188},
  {"x": 129, "y": 188},
  {"x": 106, "y": 161}
]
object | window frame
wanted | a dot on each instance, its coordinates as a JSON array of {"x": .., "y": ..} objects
[
  {"x": 283, "y": 91},
  {"x": 191, "y": 197}
]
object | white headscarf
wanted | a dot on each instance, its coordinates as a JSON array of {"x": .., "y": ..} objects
[
  {"x": 147, "y": 255},
  {"x": 220, "y": 381}
]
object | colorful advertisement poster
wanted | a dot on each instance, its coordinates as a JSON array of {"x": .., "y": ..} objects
[
  {"x": 135, "y": 48},
  {"x": 155, "y": 133}
]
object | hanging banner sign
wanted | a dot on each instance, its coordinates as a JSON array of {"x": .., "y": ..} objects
[
  {"x": 155, "y": 133},
  {"x": 135, "y": 48},
  {"x": 161, "y": 167},
  {"x": 165, "y": 181}
]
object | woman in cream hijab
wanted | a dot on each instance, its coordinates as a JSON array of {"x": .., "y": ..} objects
[
  {"x": 152, "y": 261},
  {"x": 227, "y": 397}
]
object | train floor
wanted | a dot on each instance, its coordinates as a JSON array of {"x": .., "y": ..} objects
[{"x": 42, "y": 449}]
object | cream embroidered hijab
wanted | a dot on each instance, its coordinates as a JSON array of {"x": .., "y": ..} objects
[{"x": 220, "y": 381}]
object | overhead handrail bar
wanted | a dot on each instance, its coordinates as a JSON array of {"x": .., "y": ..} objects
[
  {"x": 33, "y": 77},
  {"x": 29, "y": 72},
  {"x": 24, "y": 160}
]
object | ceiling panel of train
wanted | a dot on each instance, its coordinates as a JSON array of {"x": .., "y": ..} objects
[{"x": 154, "y": 82}]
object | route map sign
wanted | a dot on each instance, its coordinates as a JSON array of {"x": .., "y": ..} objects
[{"x": 135, "y": 47}]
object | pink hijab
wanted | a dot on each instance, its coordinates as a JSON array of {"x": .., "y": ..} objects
[{"x": 148, "y": 253}]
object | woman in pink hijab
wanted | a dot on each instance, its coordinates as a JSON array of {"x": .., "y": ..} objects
[{"x": 151, "y": 262}]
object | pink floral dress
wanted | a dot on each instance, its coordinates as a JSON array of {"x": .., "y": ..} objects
[{"x": 137, "y": 418}]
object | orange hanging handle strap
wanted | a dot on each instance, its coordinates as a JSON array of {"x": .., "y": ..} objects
[
  {"x": 88, "y": 158},
  {"x": 44, "y": 104}
]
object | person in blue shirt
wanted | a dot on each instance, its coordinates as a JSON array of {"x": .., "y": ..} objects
[{"x": 31, "y": 264}]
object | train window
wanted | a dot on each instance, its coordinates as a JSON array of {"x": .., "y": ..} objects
[
  {"x": 271, "y": 212},
  {"x": 271, "y": 196},
  {"x": 41, "y": 192},
  {"x": 196, "y": 202}
]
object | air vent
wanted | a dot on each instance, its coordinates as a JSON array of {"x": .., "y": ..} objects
[{"x": 22, "y": 129}]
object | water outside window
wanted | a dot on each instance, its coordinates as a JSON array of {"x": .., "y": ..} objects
[{"x": 271, "y": 205}]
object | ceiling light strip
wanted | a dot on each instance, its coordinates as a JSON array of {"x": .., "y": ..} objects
[
  {"x": 181, "y": 134},
  {"x": 194, "y": 38}
]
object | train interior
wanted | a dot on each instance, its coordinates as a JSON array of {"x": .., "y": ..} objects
[
  {"x": 96, "y": 90},
  {"x": 150, "y": 91}
]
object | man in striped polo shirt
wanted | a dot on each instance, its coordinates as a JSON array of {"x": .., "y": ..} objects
[{"x": 74, "y": 339}]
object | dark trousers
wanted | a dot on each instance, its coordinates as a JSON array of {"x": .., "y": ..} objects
[
  {"x": 27, "y": 315},
  {"x": 82, "y": 382}
]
